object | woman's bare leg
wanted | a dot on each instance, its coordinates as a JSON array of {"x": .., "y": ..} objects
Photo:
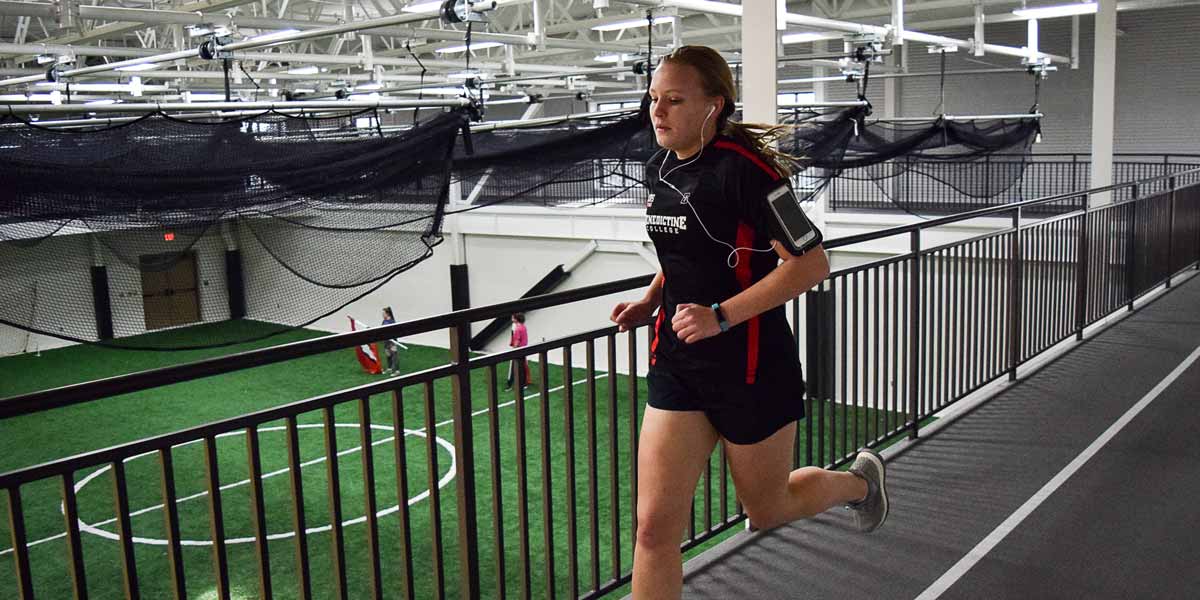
[
  {"x": 772, "y": 493},
  {"x": 673, "y": 449}
]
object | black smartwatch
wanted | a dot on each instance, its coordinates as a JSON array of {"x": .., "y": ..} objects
[{"x": 720, "y": 317}]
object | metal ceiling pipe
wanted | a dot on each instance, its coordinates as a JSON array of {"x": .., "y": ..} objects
[
  {"x": 257, "y": 42},
  {"x": 721, "y": 8},
  {"x": 238, "y": 106}
]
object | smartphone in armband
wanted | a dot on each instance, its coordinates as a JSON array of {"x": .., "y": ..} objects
[{"x": 796, "y": 231}]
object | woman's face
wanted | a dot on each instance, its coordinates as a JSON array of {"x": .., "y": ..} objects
[{"x": 679, "y": 108}]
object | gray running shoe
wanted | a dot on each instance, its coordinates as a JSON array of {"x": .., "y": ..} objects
[{"x": 872, "y": 511}]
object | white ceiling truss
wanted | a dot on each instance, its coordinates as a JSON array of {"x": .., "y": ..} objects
[{"x": 522, "y": 37}]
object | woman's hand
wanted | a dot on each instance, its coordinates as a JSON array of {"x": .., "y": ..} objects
[
  {"x": 629, "y": 314},
  {"x": 693, "y": 323}
]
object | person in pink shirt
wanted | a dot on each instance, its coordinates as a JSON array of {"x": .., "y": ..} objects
[{"x": 519, "y": 339}]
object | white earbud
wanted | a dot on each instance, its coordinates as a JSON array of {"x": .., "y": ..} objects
[{"x": 711, "y": 109}]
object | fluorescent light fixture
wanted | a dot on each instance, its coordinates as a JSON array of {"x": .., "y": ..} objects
[
  {"x": 139, "y": 67},
  {"x": 423, "y": 7},
  {"x": 274, "y": 35},
  {"x": 811, "y": 80},
  {"x": 615, "y": 58},
  {"x": 101, "y": 101},
  {"x": 309, "y": 70},
  {"x": 374, "y": 85},
  {"x": 631, "y": 23},
  {"x": 201, "y": 96},
  {"x": 461, "y": 75},
  {"x": 1061, "y": 10},
  {"x": 475, "y": 46},
  {"x": 441, "y": 91},
  {"x": 804, "y": 38},
  {"x": 304, "y": 91},
  {"x": 56, "y": 97}
]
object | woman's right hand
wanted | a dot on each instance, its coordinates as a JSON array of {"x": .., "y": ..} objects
[{"x": 629, "y": 314}]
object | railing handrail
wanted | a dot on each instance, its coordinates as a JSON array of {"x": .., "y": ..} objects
[
  {"x": 993, "y": 210},
  {"x": 88, "y": 391}
]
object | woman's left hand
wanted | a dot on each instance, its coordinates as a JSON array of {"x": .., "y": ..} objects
[{"x": 693, "y": 323}]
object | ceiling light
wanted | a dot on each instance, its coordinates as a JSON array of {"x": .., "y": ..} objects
[
  {"x": 1062, "y": 10},
  {"x": 804, "y": 38},
  {"x": 475, "y": 46},
  {"x": 194, "y": 96},
  {"x": 139, "y": 67},
  {"x": 101, "y": 101},
  {"x": 614, "y": 58},
  {"x": 375, "y": 85},
  {"x": 309, "y": 70},
  {"x": 619, "y": 25},
  {"x": 423, "y": 7},
  {"x": 465, "y": 75}
]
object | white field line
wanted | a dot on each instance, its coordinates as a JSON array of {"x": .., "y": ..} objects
[{"x": 277, "y": 472}]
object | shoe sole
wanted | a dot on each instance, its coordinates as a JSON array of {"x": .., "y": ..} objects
[{"x": 883, "y": 497}]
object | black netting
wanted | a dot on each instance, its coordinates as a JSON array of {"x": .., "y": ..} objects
[
  {"x": 580, "y": 162},
  {"x": 256, "y": 226},
  {"x": 274, "y": 221}
]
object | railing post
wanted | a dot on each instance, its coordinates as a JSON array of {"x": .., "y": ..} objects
[
  {"x": 1167, "y": 169},
  {"x": 464, "y": 464},
  {"x": 816, "y": 367},
  {"x": 1083, "y": 257},
  {"x": 1131, "y": 249},
  {"x": 1015, "y": 297},
  {"x": 1074, "y": 171},
  {"x": 1170, "y": 231},
  {"x": 914, "y": 340}
]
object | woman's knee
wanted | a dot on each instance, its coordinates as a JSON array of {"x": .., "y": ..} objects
[
  {"x": 658, "y": 527},
  {"x": 763, "y": 515}
]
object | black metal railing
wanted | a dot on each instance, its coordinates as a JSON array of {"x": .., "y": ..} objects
[
  {"x": 544, "y": 494},
  {"x": 939, "y": 187}
]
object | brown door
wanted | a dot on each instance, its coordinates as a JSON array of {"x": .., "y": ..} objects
[{"x": 170, "y": 296}]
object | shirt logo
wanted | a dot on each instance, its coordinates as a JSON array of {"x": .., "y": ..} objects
[
  {"x": 650, "y": 200},
  {"x": 666, "y": 224}
]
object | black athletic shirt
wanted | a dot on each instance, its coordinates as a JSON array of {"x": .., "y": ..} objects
[{"x": 727, "y": 187}]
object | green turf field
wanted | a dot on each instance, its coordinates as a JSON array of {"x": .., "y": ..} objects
[{"x": 43, "y": 437}]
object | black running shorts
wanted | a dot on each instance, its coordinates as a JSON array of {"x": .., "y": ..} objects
[{"x": 742, "y": 413}]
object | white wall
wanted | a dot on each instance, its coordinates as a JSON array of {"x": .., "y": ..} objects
[
  {"x": 50, "y": 284},
  {"x": 60, "y": 267}
]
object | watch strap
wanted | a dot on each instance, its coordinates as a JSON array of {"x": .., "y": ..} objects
[{"x": 724, "y": 323}]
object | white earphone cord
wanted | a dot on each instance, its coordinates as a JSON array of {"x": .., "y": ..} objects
[{"x": 733, "y": 259}]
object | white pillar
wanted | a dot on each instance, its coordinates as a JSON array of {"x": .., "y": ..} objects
[
  {"x": 1104, "y": 80},
  {"x": 759, "y": 88}
]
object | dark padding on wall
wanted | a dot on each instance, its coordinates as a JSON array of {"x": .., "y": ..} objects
[
  {"x": 101, "y": 303},
  {"x": 235, "y": 284},
  {"x": 460, "y": 289}
]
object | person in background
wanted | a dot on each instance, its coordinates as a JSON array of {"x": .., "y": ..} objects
[
  {"x": 390, "y": 347},
  {"x": 519, "y": 339}
]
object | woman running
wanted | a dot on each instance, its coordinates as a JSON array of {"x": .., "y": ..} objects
[{"x": 723, "y": 361}]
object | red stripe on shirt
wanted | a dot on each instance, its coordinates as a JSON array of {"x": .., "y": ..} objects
[
  {"x": 657, "y": 324},
  {"x": 745, "y": 239},
  {"x": 754, "y": 158}
]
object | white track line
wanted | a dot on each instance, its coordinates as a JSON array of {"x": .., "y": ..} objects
[
  {"x": 285, "y": 470},
  {"x": 981, "y": 550}
]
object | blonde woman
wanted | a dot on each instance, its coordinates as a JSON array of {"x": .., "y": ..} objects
[{"x": 723, "y": 361}]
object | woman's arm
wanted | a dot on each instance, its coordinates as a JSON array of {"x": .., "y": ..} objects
[
  {"x": 795, "y": 276},
  {"x": 654, "y": 293}
]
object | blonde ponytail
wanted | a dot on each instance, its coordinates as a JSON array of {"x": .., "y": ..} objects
[{"x": 761, "y": 138}]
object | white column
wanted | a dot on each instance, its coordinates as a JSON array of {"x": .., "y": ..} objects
[
  {"x": 1104, "y": 80},
  {"x": 759, "y": 88}
]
